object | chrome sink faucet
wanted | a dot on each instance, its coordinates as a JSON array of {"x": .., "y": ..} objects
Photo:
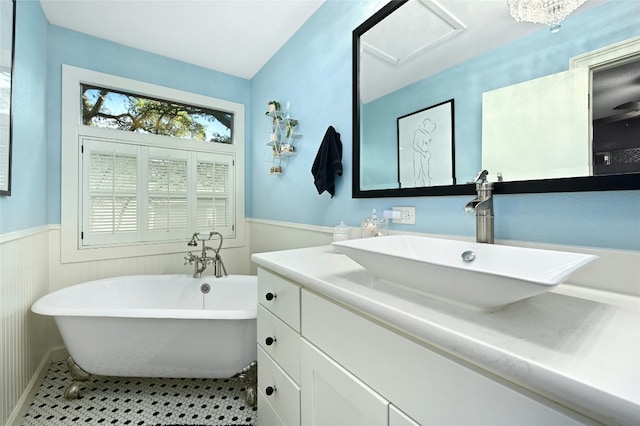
[
  {"x": 483, "y": 206},
  {"x": 203, "y": 260}
]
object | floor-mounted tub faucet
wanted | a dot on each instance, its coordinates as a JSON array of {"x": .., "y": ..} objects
[
  {"x": 203, "y": 260},
  {"x": 483, "y": 206}
]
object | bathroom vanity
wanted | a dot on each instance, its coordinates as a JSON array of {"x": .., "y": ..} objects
[{"x": 337, "y": 346}]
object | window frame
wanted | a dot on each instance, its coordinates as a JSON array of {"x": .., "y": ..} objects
[{"x": 73, "y": 131}]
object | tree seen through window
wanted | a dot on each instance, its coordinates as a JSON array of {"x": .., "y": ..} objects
[{"x": 108, "y": 108}]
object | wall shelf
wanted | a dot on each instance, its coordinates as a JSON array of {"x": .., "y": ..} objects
[{"x": 285, "y": 135}]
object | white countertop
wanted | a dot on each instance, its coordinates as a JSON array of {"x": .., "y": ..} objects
[{"x": 576, "y": 346}]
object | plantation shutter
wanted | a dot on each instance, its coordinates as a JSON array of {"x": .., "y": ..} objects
[
  {"x": 214, "y": 189},
  {"x": 110, "y": 193},
  {"x": 136, "y": 193},
  {"x": 167, "y": 194}
]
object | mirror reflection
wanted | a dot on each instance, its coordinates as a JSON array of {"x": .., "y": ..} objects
[
  {"x": 7, "y": 17},
  {"x": 522, "y": 92}
]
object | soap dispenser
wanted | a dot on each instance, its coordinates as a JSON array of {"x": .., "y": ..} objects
[
  {"x": 341, "y": 232},
  {"x": 373, "y": 226}
]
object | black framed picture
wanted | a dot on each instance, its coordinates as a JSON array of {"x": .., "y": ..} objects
[{"x": 426, "y": 147}]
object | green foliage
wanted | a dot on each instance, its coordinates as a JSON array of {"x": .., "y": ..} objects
[{"x": 146, "y": 115}]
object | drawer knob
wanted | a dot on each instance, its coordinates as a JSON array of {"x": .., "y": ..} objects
[
  {"x": 270, "y": 390},
  {"x": 270, "y": 341},
  {"x": 270, "y": 296}
]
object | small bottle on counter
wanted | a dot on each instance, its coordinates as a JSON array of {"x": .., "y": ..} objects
[
  {"x": 341, "y": 233},
  {"x": 373, "y": 226}
]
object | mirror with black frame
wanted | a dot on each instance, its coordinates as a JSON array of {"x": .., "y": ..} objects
[
  {"x": 443, "y": 90},
  {"x": 7, "y": 28}
]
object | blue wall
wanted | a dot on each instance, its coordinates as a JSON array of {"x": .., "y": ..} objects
[
  {"x": 27, "y": 206},
  {"x": 313, "y": 71}
]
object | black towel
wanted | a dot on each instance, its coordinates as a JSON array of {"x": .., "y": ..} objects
[{"x": 328, "y": 162}]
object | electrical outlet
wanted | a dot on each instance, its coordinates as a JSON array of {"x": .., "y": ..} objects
[{"x": 408, "y": 215}]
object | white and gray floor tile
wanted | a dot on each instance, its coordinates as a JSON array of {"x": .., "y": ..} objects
[{"x": 139, "y": 401}]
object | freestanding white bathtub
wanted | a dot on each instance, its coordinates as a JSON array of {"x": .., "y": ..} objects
[{"x": 158, "y": 325}]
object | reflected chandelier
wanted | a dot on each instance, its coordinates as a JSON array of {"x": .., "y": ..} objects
[{"x": 548, "y": 12}]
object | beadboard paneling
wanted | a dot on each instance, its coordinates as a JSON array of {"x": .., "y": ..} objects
[
  {"x": 269, "y": 235},
  {"x": 236, "y": 261},
  {"x": 24, "y": 336}
]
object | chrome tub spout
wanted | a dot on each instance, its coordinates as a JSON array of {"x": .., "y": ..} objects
[{"x": 201, "y": 262}]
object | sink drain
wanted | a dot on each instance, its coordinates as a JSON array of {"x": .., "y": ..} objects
[
  {"x": 205, "y": 288},
  {"x": 468, "y": 256}
]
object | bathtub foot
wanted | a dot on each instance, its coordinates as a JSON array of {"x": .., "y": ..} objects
[
  {"x": 251, "y": 395},
  {"x": 79, "y": 376},
  {"x": 249, "y": 375}
]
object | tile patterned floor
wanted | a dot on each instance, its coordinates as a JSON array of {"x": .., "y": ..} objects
[{"x": 139, "y": 401}]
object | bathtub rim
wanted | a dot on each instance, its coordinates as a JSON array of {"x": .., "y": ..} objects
[{"x": 42, "y": 306}]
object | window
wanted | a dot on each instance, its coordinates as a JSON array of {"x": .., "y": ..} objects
[
  {"x": 115, "y": 109},
  {"x": 141, "y": 173}
]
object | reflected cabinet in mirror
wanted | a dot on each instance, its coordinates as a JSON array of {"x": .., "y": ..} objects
[{"x": 442, "y": 90}]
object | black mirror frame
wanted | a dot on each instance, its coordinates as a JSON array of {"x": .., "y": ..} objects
[
  {"x": 576, "y": 184},
  {"x": 7, "y": 192}
]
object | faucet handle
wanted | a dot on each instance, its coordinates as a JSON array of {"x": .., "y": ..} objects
[{"x": 480, "y": 177}]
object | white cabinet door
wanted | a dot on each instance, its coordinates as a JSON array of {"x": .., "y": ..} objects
[
  {"x": 430, "y": 387},
  {"x": 331, "y": 396},
  {"x": 398, "y": 418}
]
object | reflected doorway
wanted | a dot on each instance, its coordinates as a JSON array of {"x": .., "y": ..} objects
[{"x": 616, "y": 117}]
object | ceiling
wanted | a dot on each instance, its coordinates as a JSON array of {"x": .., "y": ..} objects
[
  {"x": 443, "y": 33},
  {"x": 236, "y": 37}
]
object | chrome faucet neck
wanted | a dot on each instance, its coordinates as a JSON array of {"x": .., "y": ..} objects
[
  {"x": 480, "y": 177},
  {"x": 482, "y": 205}
]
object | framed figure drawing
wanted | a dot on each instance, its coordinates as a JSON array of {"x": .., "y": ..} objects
[{"x": 426, "y": 147}]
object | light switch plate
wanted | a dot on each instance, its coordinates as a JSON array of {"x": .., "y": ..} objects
[{"x": 408, "y": 215}]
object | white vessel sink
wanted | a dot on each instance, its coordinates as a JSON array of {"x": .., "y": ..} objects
[{"x": 490, "y": 277}]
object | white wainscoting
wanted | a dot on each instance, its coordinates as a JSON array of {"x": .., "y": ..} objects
[
  {"x": 269, "y": 235},
  {"x": 24, "y": 336},
  {"x": 236, "y": 261}
]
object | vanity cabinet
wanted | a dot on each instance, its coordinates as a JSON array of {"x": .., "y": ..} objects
[
  {"x": 278, "y": 350},
  {"x": 354, "y": 369}
]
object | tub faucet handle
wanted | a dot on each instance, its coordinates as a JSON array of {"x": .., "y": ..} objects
[{"x": 189, "y": 258}]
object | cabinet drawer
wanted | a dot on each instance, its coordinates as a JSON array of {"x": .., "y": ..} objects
[
  {"x": 285, "y": 398},
  {"x": 283, "y": 344},
  {"x": 267, "y": 415},
  {"x": 280, "y": 296},
  {"x": 425, "y": 384}
]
